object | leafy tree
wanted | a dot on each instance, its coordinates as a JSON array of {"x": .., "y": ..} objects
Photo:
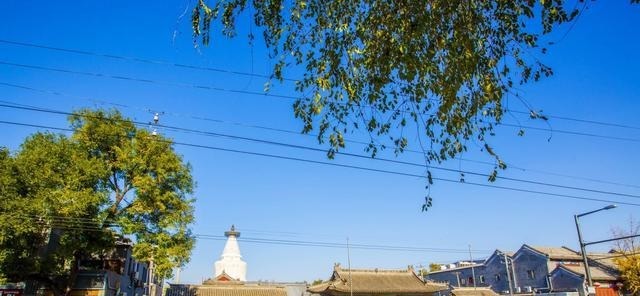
[
  {"x": 49, "y": 181},
  {"x": 317, "y": 282},
  {"x": 440, "y": 69},
  {"x": 434, "y": 267},
  {"x": 629, "y": 260},
  {"x": 144, "y": 169},
  {"x": 62, "y": 198}
]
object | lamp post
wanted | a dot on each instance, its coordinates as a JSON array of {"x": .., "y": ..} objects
[{"x": 582, "y": 244}]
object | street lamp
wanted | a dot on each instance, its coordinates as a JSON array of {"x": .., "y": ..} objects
[{"x": 582, "y": 244}]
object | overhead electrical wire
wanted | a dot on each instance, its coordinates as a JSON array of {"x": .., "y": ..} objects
[
  {"x": 265, "y": 94},
  {"x": 298, "y": 133},
  {"x": 209, "y": 119},
  {"x": 64, "y": 224},
  {"x": 144, "y": 80},
  {"x": 208, "y": 133},
  {"x": 83, "y": 227},
  {"x": 214, "y": 148},
  {"x": 248, "y": 74},
  {"x": 343, "y": 245},
  {"x": 135, "y": 59}
]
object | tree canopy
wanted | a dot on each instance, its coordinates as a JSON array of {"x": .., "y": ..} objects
[
  {"x": 65, "y": 197},
  {"x": 437, "y": 70},
  {"x": 628, "y": 261}
]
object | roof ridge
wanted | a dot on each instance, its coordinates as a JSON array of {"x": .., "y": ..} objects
[{"x": 375, "y": 270}]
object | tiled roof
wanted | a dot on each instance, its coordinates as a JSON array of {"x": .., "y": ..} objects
[
  {"x": 498, "y": 254},
  {"x": 597, "y": 273},
  {"x": 605, "y": 259},
  {"x": 225, "y": 290},
  {"x": 473, "y": 292},
  {"x": 375, "y": 281},
  {"x": 558, "y": 253}
]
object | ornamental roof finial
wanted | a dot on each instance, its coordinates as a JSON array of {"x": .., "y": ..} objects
[{"x": 232, "y": 232}]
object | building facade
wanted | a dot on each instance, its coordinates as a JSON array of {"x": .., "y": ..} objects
[{"x": 533, "y": 269}]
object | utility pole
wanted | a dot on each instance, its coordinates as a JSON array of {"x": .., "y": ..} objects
[
  {"x": 506, "y": 265},
  {"x": 473, "y": 273},
  {"x": 150, "y": 277},
  {"x": 349, "y": 262}
]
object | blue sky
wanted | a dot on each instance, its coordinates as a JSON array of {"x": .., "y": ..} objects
[{"x": 596, "y": 78}]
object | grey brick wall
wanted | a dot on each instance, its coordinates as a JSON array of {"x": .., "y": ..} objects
[
  {"x": 530, "y": 270},
  {"x": 495, "y": 273},
  {"x": 465, "y": 274}
]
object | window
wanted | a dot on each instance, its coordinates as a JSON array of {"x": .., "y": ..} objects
[
  {"x": 463, "y": 281},
  {"x": 497, "y": 277},
  {"x": 481, "y": 279},
  {"x": 470, "y": 280},
  {"x": 531, "y": 274}
]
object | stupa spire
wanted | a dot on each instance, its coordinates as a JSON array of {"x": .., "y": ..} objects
[{"x": 230, "y": 261}]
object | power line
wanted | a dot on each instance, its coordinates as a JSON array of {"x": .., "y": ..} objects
[
  {"x": 611, "y": 124},
  {"x": 68, "y": 225},
  {"x": 263, "y": 94},
  {"x": 144, "y": 80},
  {"x": 207, "y": 133},
  {"x": 541, "y": 193},
  {"x": 298, "y": 133},
  {"x": 341, "y": 245},
  {"x": 248, "y": 74},
  {"x": 569, "y": 132},
  {"x": 139, "y": 60},
  {"x": 202, "y": 118}
]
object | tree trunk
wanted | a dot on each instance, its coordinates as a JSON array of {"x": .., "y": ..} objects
[{"x": 73, "y": 273}]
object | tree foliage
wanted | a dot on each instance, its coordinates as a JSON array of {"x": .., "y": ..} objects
[
  {"x": 629, "y": 261},
  {"x": 434, "y": 267},
  {"x": 62, "y": 198},
  {"x": 438, "y": 69}
]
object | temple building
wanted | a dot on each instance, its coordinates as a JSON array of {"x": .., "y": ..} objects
[
  {"x": 230, "y": 278},
  {"x": 369, "y": 282}
]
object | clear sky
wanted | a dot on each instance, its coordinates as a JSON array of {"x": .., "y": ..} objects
[{"x": 596, "y": 78}]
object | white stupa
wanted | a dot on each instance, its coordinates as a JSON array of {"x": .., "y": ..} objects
[{"x": 230, "y": 263}]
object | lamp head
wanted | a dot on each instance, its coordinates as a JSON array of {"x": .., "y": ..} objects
[{"x": 609, "y": 207}]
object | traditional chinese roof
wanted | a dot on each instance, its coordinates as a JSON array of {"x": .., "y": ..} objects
[
  {"x": 484, "y": 291},
  {"x": 597, "y": 273},
  {"x": 556, "y": 253},
  {"x": 226, "y": 290},
  {"x": 375, "y": 281},
  {"x": 223, "y": 278}
]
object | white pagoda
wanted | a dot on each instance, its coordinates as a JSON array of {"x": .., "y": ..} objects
[{"x": 230, "y": 266}]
